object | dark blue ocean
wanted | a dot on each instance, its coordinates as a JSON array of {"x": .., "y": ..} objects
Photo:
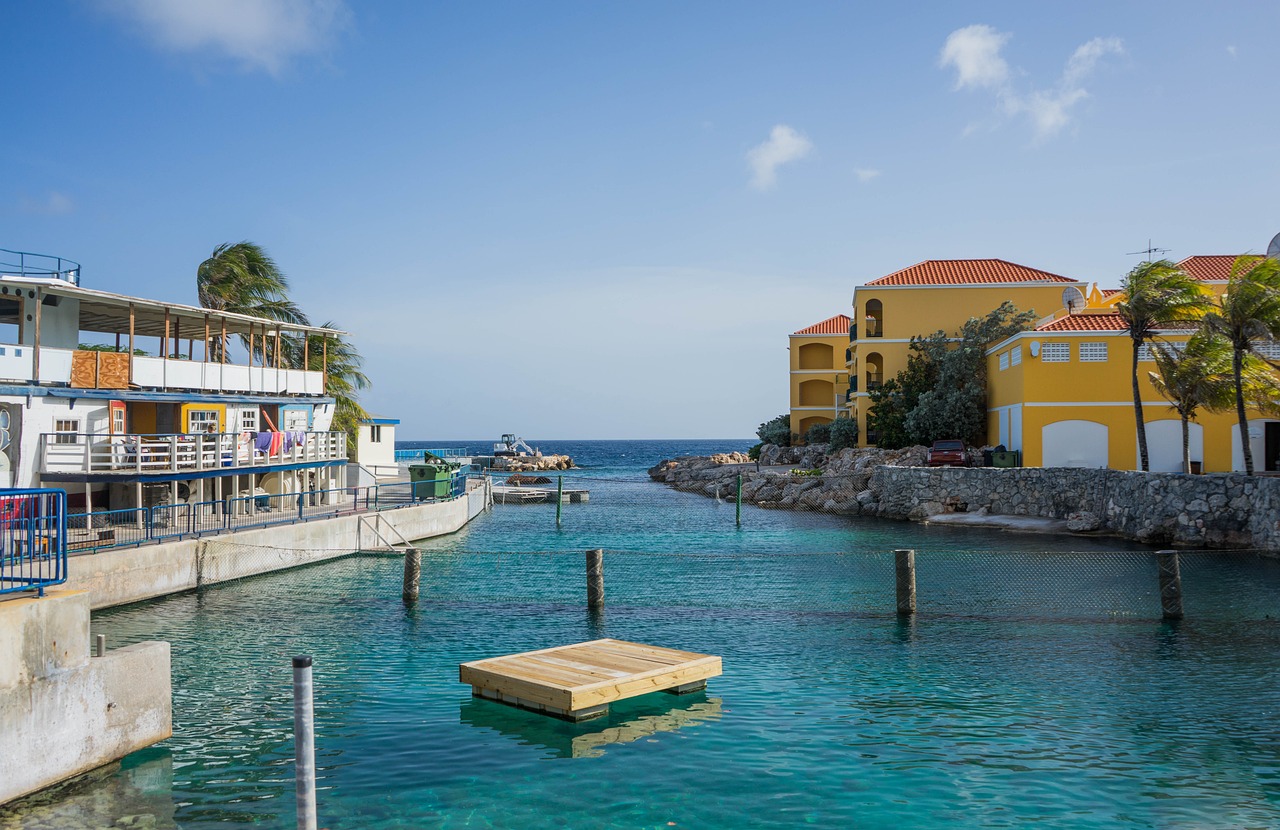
[{"x": 604, "y": 457}]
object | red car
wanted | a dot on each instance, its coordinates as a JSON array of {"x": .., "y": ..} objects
[{"x": 948, "y": 453}]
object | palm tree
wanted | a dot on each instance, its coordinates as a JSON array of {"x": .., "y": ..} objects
[
  {"x": 1156, "y": 295},
  {"x": 241, "y": 278},
  {"x": 1198, "y": 376},
  {"x": 343, "y": 380},
  {"x": 1247, "y": 315}
]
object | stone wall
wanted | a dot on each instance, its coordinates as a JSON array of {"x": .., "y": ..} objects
[{"x": 1232, "y": 511}]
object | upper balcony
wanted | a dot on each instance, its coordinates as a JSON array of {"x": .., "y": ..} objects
[
  {"x": 48, "y": 324},
  {"x": 67, "y": 454},
  {"x": 38, "y": 266}
]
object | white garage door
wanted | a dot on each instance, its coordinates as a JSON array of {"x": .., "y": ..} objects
[
  {"x": 1164, "y": 445},
  {"x": 1074, "y": 444}
]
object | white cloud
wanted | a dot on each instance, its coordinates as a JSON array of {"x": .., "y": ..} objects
[
  {"x": 865, "y": 174},
  {"x": 260, "y": 34},
  {"x": 783, "y": 146},
  {"x": 52, "y": 204},
  {"x": 974, "y": 53},
  {"x": 1231, "y": 50}
]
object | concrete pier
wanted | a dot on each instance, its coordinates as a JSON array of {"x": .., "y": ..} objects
[{"x": 63, "y": 713}]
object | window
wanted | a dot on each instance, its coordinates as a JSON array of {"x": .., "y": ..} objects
[
  {"x": 1055, "y": 352},
  {"x": 202, "y": 420},
  {"x": 293, "y": 420},
  {"x": 1268, "y": 349},
  {"x": 1015, "y": 356},
  {"x": 1145, "y": 352},
  {"x": 249, "y": 420},
  {"x": 1004, "y": 361},
  {"x": 67, "y": 432},
  {"x": 1093, "y": 352},
  {"x": 375, "y": 434}
]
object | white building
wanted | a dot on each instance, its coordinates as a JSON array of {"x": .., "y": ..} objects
[{"x": 376, "y": 446}]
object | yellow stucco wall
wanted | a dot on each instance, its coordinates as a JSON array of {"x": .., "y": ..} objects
[{"x": 819, "y": 379}]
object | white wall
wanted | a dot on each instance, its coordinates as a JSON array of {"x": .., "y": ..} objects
[
  {"x": 1074, "y": 444},
  {"x": 1257, "y": 443},
  {"x": 1164, "y": 445}
]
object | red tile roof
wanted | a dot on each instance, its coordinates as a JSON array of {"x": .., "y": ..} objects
[
  {"x": 1110, "y": 292},
  {"x": 1208, "y": 268},
  {"x": 967, "y": 272},
  {"x": 832, "y": 325},
  {"x": 1085, "y": 322}
]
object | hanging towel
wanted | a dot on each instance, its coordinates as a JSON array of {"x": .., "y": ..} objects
[
  {"x": 263, "y": 442},
  {"x": 277, "y": 441}
]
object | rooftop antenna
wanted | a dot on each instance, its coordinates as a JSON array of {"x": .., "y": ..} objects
[{"x": 1149, "y": 251}]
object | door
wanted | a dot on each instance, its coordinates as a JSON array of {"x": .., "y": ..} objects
[
  {"x": 118, "y": 421},
  {"x": 1272, "y": 450}
]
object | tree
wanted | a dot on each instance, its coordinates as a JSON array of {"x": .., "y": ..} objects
[
  {"x": 818, "y": 433},
  {"x": 242, "y": 279},
  {"x": 776, "y": 431},
  {"x": 1157, "y": 295},
  {"x": 1247, "y": 315},
  {"x": 943, "y": 391},
  {"x": 343, "y": 380},
  {"x": 844, "y": 434},
  {"x": 1196, "y": 377}
]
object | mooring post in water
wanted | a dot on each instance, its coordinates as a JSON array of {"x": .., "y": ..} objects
[
  {"x": 559, "y": 497},
  {"x": 304, "y": 742},
  {"x": 738, "y": 503},
  {"x": 905, "y": 565},
  {"x": 1170, "y": 584},
  {"x": 595, "y": 579},
  {"x": 100, "y": 646},
  {"x": 412, "y": 574}
]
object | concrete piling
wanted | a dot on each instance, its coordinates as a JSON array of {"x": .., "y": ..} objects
[
  {"x": 1170, "y": 584},
  {"x": 304, "y": 741},
  {"x": 595, "y": 579},
  {"x": 905, "y": 567},
  {"x": 738, "y": 503},
  {"x": 100, "y": 645}
]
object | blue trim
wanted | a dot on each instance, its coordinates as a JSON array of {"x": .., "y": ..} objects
[
  {"x": 379, "y": 420},
  {"x": 132, "y": 478},
  {"x": 167, "y": 397}
]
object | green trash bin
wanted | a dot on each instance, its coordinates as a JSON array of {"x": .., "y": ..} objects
[
  {"x": 1009, "y": 458},
  {"x": 431, "y": 481}
]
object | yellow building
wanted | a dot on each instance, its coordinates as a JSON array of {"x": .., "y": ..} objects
[
  {"x": 930, "y": 296},
  {"x": 818, "y": 374},
  {"x": 1062, "y": 394}
]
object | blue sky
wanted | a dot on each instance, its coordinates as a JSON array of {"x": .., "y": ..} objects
[{"x": 585, "y": 220}]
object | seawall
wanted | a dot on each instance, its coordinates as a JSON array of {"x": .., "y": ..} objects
[
  {"x": 123, "y": 575},
  {"x": 1210, "y": 511}
]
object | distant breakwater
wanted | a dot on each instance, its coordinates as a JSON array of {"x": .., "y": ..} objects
[{"x": 1207, "y": 511}]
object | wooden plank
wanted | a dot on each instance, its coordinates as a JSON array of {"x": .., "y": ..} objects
[
  {"x": 641, "y": 649},
  {"x": 113, "y": 370},
  {"x": 531, "y": 653},
  {"x": 557, "y": 675},
  {"x": 516, "y": 687},
  {"x": 586, "y": 670},
  {"x": 639, "y": 684},
  {"x": 84, "y": 369},
  {"x": 630, "y": 665}
]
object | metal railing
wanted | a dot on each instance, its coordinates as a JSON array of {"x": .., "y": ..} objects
[
  {"x": 67, "y": 452},
  {"x": 438, "y": 452},
  {"x": 132, "y": 527},
  {"x": 33, "y": 539},
  {"x": 27, "y": 264}
]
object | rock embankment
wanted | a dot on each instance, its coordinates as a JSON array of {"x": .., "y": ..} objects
[
  {"x": 1213, "y": 511},
  {"x": 532, "y": 463},
  {"x": 791, "y": 477}
]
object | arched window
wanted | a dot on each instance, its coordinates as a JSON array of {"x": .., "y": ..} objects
[
  {"x": 874, "y": 370},
  {"x": 874, "y": 322},
  {"x": 817, "y": 356}
]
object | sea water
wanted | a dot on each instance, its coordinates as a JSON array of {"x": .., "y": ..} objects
[{"x": 1037, "y": 685}]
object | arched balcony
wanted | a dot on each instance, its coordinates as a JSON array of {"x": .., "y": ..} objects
[{"x": 874, "y": 322}]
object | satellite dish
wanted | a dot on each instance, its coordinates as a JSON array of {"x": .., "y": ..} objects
[
  {"x": 1072, "y": 299},
  {"x": 1273, "y": 250},
  {"x": 1035, "y": 348}
]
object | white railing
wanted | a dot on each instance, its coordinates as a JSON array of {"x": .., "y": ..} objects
[
  {"x": 158, "y": 373},
  {"x": 65, "y": 452}
]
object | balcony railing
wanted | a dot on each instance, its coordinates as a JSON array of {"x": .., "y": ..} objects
[
  {"x": 853, "y": 331},
  {"x": 874, "y": 328},
  {"x": 125, "y": 455},
  {"x": 874, "y": 381},
  {"x": 82, "y": 369},
  {"x": 27, "y": 264}
]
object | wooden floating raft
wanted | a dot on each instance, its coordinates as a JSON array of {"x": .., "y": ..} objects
[
  {"x": 510, "y": 494},
  {"x": 579, "y": 681}
]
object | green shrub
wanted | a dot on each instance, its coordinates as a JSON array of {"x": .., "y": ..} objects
[
  {"x": 754, "y": 452},
  {"x": 776, "y": 432},
  {"x": 843, "y": 434},
  {"x": 818, "y": 434}
]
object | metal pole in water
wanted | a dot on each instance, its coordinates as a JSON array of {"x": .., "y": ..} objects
[
  {"x": 100, "y": 645},
  {"x": 412, "y": 574},
  {"x": 738, "y": 509},
  {"x": 304, "y": 741},
  {"x": 559, "y": 497},
  {"x": 905, "y": 565},
  {"x": 595, "y": 579},
  {"x": 1170, "y": 584}
]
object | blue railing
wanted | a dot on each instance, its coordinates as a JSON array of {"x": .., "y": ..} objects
[
  {"x": 33, "y": 539},
  {"x": 27, "y": 264},
  {"x": 438, "y": 452},
  {"x": 139, "y": 526}
]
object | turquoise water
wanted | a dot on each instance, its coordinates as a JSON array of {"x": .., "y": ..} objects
[{"x": 1037, "y": 685}]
